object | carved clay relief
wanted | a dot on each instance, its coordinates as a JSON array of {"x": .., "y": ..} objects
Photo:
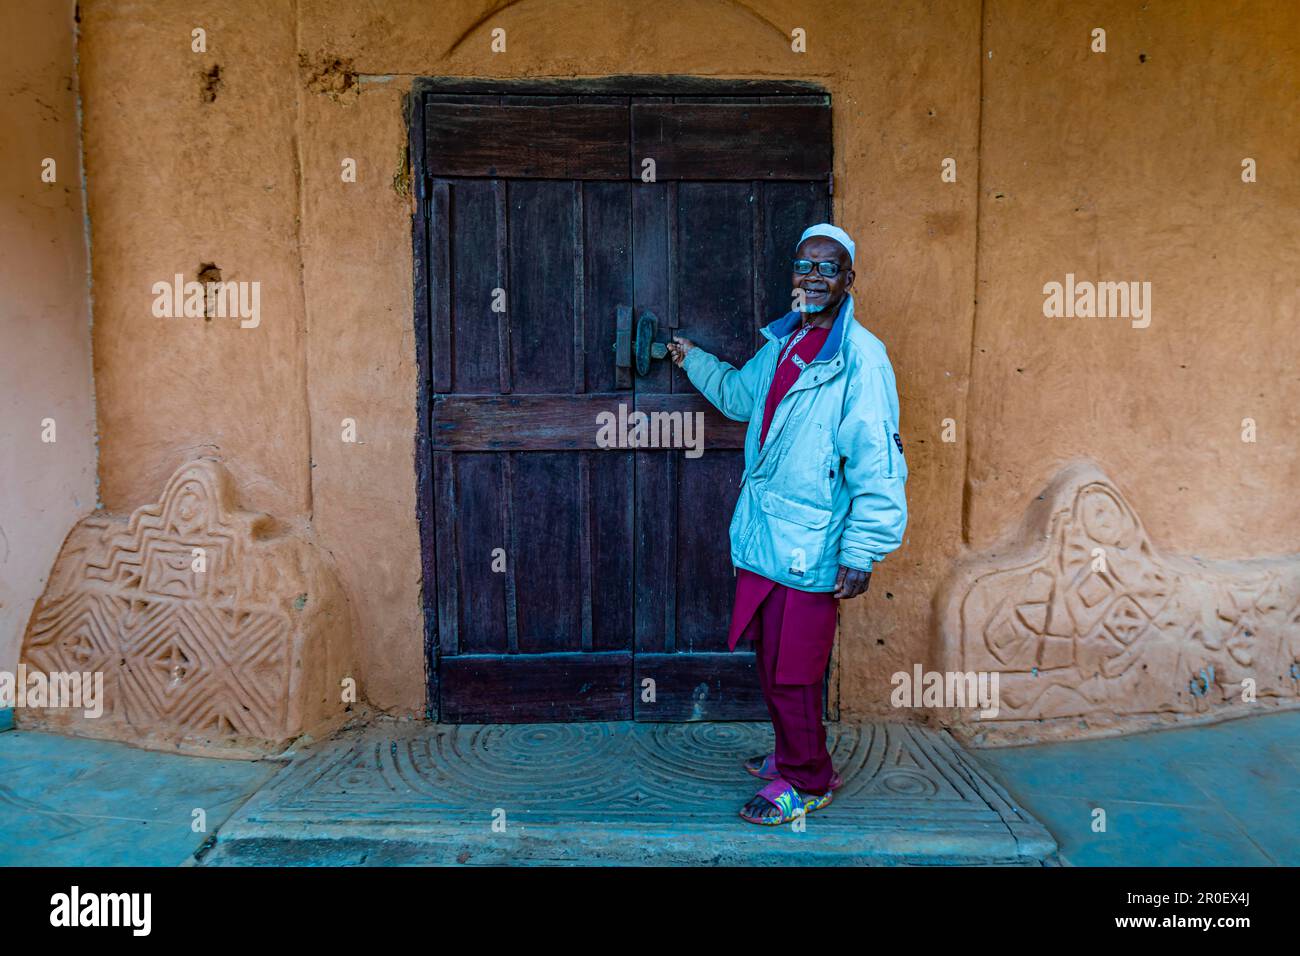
[
  {"x": 1082, "y": 615},
  {"x": 214, "y": 628}
]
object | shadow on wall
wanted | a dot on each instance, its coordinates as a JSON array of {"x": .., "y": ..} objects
[{"x": 1091, "y": 630}]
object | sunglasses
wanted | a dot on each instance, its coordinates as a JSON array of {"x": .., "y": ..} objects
[{"x": 804, "y": 266}]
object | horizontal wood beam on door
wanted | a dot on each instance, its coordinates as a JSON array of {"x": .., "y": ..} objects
[
  {"x": 713, "y": 141},
  {"x": 566, "y": 422},
  {"x": 543, "y": 687},
  {"x": 566, "y": 141},
  {"x": 726, "y": 141},
  {"x": 624, "y": 84}
]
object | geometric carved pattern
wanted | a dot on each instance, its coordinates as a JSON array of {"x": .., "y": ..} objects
[
  {"x": 655, "y": 793},
  {"x": 1081, "y": 615},
  {"x": 245, "y": 653}
]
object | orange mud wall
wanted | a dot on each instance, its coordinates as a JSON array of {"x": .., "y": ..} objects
[
  {"x": 1066, "y": 161},
  {"x": 45, "y": 486}
]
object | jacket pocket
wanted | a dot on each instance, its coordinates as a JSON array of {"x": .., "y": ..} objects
[
  {"x": 781, "y": 507},
  {"x": 794, "y": 539},
  {"x": 807, "y": 468}
]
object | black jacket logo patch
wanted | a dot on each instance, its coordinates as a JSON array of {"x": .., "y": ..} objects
[{"x": 899, "y": 442}]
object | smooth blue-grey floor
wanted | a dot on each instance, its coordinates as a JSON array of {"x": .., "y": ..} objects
[
  {"x": 65, "y": 801},
  {"x": 1227, "y": 794}
]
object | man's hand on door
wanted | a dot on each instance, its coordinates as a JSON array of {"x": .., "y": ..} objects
[
  {"x": 851, "y": 582},
  {"x": 678, "y": 348}
]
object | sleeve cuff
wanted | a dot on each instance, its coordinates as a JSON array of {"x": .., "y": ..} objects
[{"x": 857, "y": 564}]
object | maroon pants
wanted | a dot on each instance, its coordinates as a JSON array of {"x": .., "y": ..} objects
[{"x": 795, "y": 709}]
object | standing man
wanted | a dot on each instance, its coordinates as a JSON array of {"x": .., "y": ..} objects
[{"x": 821, "y": 502}]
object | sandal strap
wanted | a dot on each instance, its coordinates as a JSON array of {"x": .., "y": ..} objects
[{"x": 782, "y": 795}]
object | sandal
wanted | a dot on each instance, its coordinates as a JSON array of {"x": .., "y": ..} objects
[
  {"x": 764, "y": 768},
  {"x": 789, "y": 803}
]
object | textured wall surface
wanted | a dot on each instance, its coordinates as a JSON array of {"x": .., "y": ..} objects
[
  {"x": 44, "y": 317},
  {"x": 216, "y": 630},
  {"x": 1083, "y": 616},
  {"x": 1122, "y": 165},
  {"x": 1127, "y": 166}
]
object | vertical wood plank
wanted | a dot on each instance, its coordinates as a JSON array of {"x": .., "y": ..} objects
[
  {"x": 546, "y": 537},
  {"x": 426, "y": 513},
  {"x": 440, "y": 285},
  {"x": 508, "y": 521},
  {"x": 444, "y": 465},
  {"x": 607, "y": 269},
  {"x": 584, "y": 544},
  {"x": 673, "y": 320},
  {"x": 611, "y": 495},
  {"x": 476, "y": 354},
  {"x": 653, "y": 561},
  {"x": 715, "y": 227},
  {"x": 652, "y": 205},
  {"x": 653, "y": 497},
  {"x": 500, "y": 190},
  {"x": 480, "y": 535},
  {"x": 670, "y": 546},
  {"x": 717, "y": 306},
  {"x": 579, "y": 291},
  {"x": 706, "y": 493},
  {"x": 541, "y": 240}
]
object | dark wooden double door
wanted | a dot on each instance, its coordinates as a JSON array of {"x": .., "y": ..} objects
[{"x": 565, "y": 580}]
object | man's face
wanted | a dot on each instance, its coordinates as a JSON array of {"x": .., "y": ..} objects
[{"x": 823, "y": 292}]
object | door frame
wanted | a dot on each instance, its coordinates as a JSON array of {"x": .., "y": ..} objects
[{"x": 423, "y": 240}]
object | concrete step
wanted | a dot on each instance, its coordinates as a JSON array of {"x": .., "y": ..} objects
[{"x": 396, "y": 793}]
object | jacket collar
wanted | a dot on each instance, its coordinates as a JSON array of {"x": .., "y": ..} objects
[
  {"x": 783, "y": 326},
  {"x": 829, "y": 352}
]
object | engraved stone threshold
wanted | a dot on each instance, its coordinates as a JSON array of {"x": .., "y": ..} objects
[{"x": 621, "y": 793}]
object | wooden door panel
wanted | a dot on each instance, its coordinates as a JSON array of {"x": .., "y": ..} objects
[
  {"x": 547, "y": 502},
  {"x": 551, "y": 422},
  {"x": 684, "y": 599},
  {"x": 477, "y": 267},
  {"x": 727, "y": 246},
  {"x": 695, "y": 256},
  {"x": 529, "y": 510},
  {"x": 565, "y": 573},
  {"x": 541, "y": 284},
  {"x": 655, "y": 268},
  {"x": 716, "y": 276},
  {"x": 655, "y": 619},
  {"x": 566, "y": 141},
  {"x": 699, "y": 686},
  {"x": 480, "y": 617},
  {"x": 721, "y": 141},
  {"x": 606, "y": 280},
  {"x": 608, "y": 527},
  {"x": 706, "y": 586},
  {"x": 536, "y": 603},
  {"x": 719, "y": 431},
  {"x": 684, "y": 589},
  {"x": 537, "y": 422},
  {"x": 530, "y": 688}
]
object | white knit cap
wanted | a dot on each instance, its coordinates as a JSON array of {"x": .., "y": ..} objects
[{"x": 830, "y": 232}]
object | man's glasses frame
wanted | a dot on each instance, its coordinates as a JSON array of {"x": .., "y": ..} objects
[{"x": 824, "y": 267}]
